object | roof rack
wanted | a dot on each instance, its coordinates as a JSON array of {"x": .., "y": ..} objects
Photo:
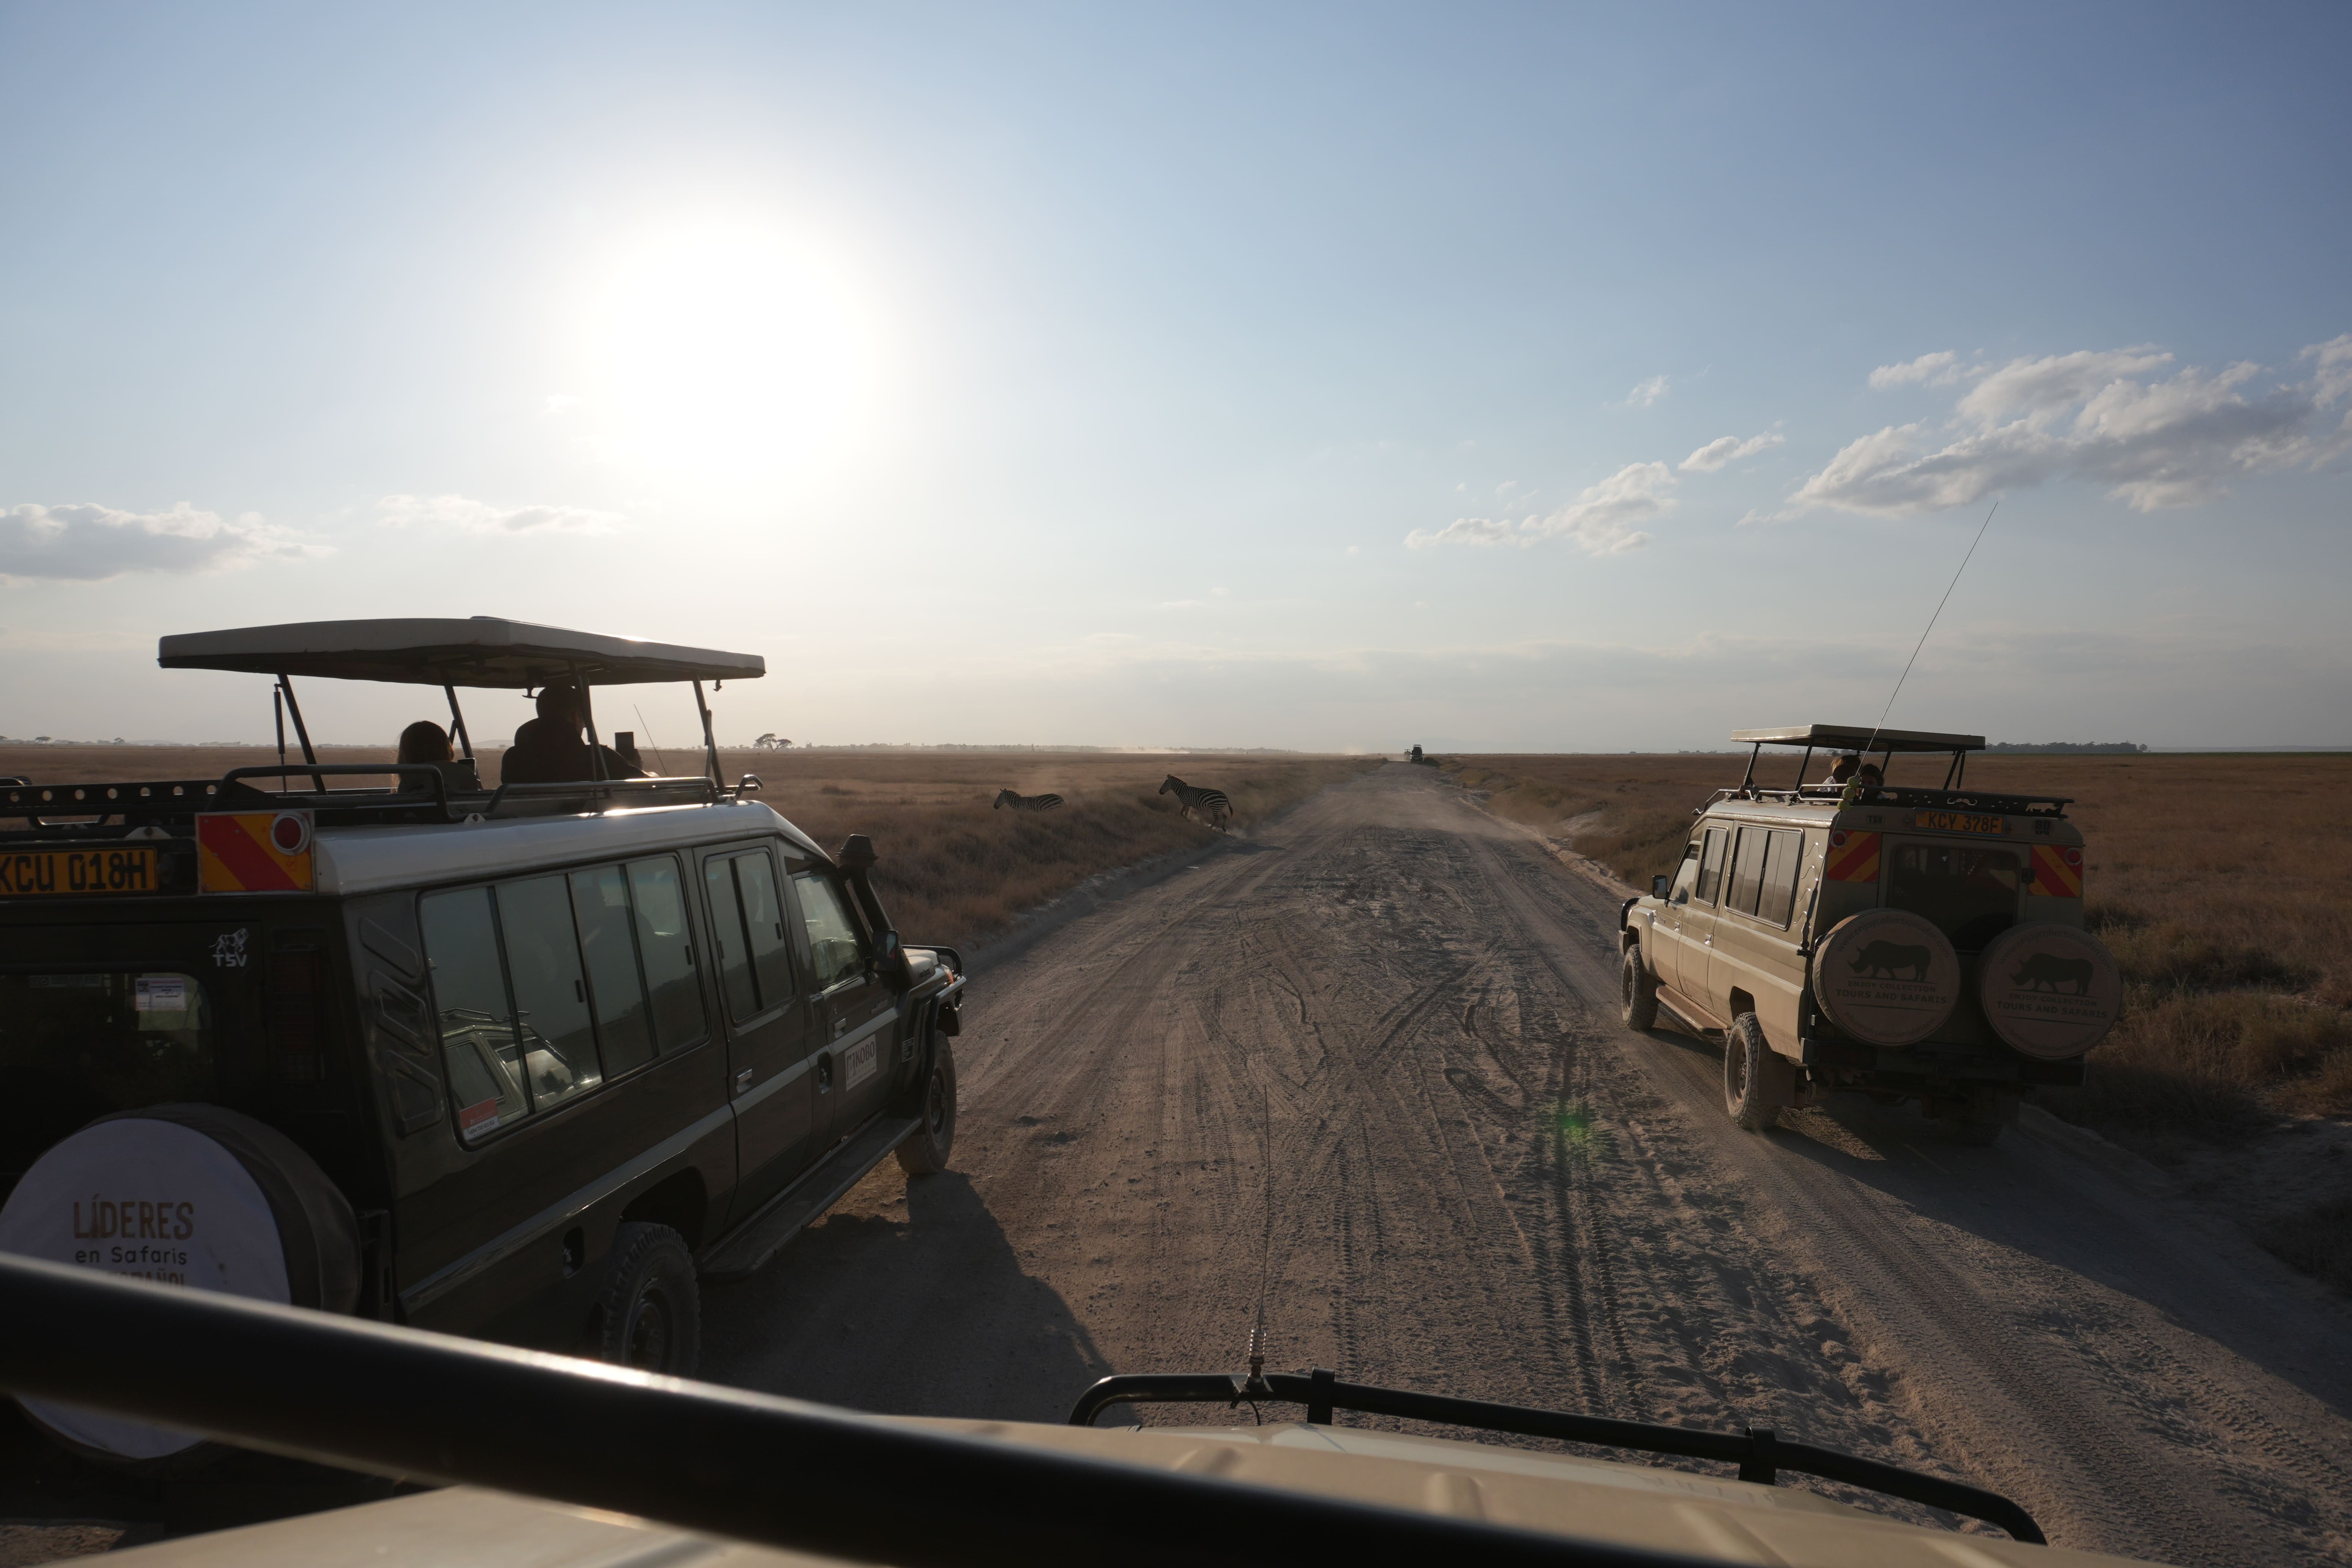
[
  {"x": 1853, "y": 739},
  {"x": 1905, "y": 797},
  {"x": 166, "y": 800}
]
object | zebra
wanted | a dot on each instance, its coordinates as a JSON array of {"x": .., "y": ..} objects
[
  {"x": 1026, "y": 802},
  {"x": 1211, "y": 803}
]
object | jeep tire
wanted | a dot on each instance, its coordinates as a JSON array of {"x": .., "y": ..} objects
[
  {"x": 925, "y": 1152},
  {"x": 1756, "y": 1079},
  {"x": 649, "y": 1314},
  {"x": 1640, "y": 991}
]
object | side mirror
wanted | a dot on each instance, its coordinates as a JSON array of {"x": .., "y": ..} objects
[
  {"x": 890, "y": 961},
  {"x": 1658, "y": 887}
]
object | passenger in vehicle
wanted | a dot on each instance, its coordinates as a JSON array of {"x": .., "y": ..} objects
[
  {"x": 1865, "y": 777},
  {"x": 1841, "y": 770},
  {"x": 423, "y": 741},
  {"x": 550, "y": 749}
]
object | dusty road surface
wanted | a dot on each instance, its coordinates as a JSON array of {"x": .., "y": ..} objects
[{"x": 1361, "y": 1074}]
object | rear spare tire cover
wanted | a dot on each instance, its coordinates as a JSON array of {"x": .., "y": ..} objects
[
  {"x": 186, "y": 1195},
  {"x": 1886, "y": 977},
  {"x": 2050, "y": 991}
]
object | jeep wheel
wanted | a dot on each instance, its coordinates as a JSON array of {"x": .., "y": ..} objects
[
  {"x": 925, "y": 1152},
  {"x": 649, "y": 1315},
  {"x": 1640, "y": 991},
  {"x": 1756, "y": 1079}
]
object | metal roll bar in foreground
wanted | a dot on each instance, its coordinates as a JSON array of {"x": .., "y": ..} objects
[
  {"x": 780, "y": 1472},
  {"x": 1759, "y": 1452}
]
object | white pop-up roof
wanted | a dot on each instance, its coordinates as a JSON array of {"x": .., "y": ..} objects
[
  {"x": 482, "y": 650},
  {"x": 1855, "y": 738}
]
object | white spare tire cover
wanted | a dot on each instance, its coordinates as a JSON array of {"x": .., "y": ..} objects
[
  {"x": 2050, "y": 991},
  {"x": 1886, "y": 977},
  {"x": 185, "y": 1195}
]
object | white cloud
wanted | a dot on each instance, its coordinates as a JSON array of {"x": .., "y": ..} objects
[
  {"x": 85, "y": 542},
  {"x": 1600, "y": 521},
  {"x": 1649, "y": 392},
  {"x": 2101, "y": 416},
  {"x": 1939, "y": 369},
  {"x": 481, "y": 516},
  {"x": 1726, "y": 450}
]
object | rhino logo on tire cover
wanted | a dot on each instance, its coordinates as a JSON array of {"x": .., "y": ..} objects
[
  {"x": 1886, "y": 957},
  {"x": 2047, "y": 970}
]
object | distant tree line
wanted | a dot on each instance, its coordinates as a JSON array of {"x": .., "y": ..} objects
[{"x": 2070, "y": 748}]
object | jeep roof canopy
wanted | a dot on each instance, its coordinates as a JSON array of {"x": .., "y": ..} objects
[
  {"x": 481, "y": 651},
  {"x": 1853, "y": 738}
]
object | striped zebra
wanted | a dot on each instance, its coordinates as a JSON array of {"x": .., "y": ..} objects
[
  {"x": 1210, "y": 804},
  {"x": 1026, "y": 802}
]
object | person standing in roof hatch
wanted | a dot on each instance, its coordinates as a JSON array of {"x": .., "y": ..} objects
[
  {"x": 550, "y": 749},
  {"x": 1841, "y": 770}
]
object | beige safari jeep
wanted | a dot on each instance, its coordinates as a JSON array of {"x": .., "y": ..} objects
[{"x": 1912, "y": 940}]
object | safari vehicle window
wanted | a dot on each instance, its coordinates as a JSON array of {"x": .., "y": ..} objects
[
  {"x": 550, "y": 993},
  {"x": 74, "y": 1048},
  {"x": 666, "y": 949},
  {"x": 1685, "y": 875},
  {"x": 1967, "y": 893},
  {"x": 748, "y": 918},
  {"x": 1764, "y": 872},
  {"x": 547, "y": 987},
  {"x": 835, "y": 953},
  {"x": 1710, "y": 865}
]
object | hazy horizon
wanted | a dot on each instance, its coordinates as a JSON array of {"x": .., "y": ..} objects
[{"x": 1325, "y": 378}]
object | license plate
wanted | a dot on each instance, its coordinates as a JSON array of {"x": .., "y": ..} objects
[
  {"x": 1958, "y": 821},
  {"x": 76, "y": 873}
]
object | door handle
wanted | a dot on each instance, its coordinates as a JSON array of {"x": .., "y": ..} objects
[
  {"x": 742, "y": 1080},
  {"x": 840, "y": 1027}
]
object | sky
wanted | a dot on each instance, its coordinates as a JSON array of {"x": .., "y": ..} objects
[{"x": 1335, "y": 377}]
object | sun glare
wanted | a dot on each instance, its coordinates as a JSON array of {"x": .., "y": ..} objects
[{"x": 727, "y": 353}]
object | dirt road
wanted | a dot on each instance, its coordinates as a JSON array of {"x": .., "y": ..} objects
[{"x": 1361, "y": 1074}]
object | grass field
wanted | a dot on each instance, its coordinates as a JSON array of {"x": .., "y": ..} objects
[
  {"x": 2218, "y": 880},
  {"x": 952, "y": 870}
]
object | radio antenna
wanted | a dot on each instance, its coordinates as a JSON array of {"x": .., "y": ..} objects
[{"x": 1931, "y": 627}]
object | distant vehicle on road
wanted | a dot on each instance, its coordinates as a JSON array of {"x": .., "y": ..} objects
[
  {"x": 1911, "y": 941},
  {"x": 519, "y": 1062}
]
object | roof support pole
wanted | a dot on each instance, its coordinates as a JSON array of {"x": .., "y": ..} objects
[
  {"x": 1749, "y": 782},
  {"x": 588, "y": 717},
  {"x": 1804, "y": 766},
  {"x": 457, "y": 725},
  {"x": 710, "y": 746},
  {"x": 302, "y": 730}
]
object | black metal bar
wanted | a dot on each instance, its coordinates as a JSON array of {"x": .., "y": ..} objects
[
  {"x": 1320, "y": 1383},
  {"x": 1753, "y": 752},
  {"x": 1756, "y": 1448},
  {"x": 277, "y": 716},
  {"x": 588, "y": 717},
  {"x": 710, "y": 746},
  {"x": 1804, "y": 766},
  {"x": 457, "y": 723},
  {"x": 749, "y": 1466},
  {"x": 302, "y": 730},
  {"x": 1759, "y": 1467}
]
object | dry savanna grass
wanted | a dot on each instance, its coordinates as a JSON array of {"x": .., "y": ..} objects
[
  {"x": 952, "y": 869},
  {"x": 2218, "y": 880}
]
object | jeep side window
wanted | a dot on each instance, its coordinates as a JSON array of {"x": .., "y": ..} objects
[
  {"x": 616, "y": 987},
  {"x": 1710, "y": 865},
  {"x": 749, "y": 921},
  {"x": 469, "y": 990},
  {"x": 835, "y": 952},
  {"x": 1685, "y": 875},
  {"x": 1747, "y": 870},
  {"x": 1784, "y": 854},
  {"x": 551, "y": 993},
  {"x": 666, "y": 948}
]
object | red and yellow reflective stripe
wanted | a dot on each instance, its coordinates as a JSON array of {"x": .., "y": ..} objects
[
  {"x": 1852, "y": 858},
  {"x": 236, "y": 853},
  {"x": 2057, "y": 873}
]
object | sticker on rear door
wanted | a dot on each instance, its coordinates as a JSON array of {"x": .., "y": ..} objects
[{"x": 858, "y": 1063}]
